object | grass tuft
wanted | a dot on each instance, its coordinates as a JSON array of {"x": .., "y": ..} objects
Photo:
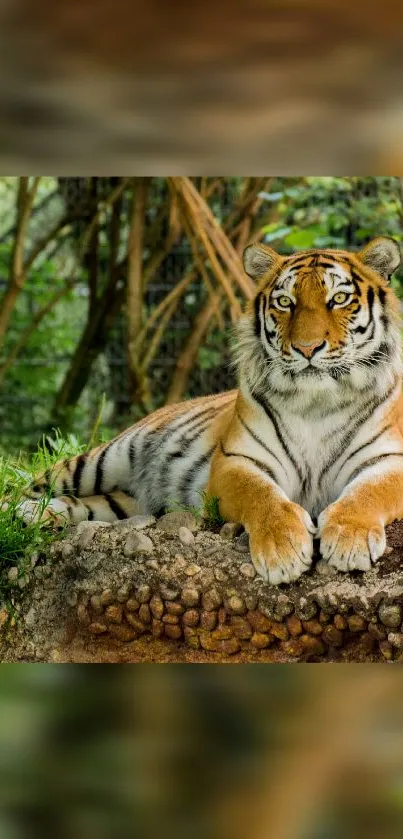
[{"x": 19, "y": 540}]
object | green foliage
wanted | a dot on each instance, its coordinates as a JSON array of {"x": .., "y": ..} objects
[
  {"x": 295, "y": 213},
  {"x": 211, "y": 512},
  {"x": 19, "y": 540}
]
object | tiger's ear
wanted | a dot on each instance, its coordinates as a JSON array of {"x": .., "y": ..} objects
[
  {"x": 258, "y": 260},
  {"x": 382, "y": 254}
]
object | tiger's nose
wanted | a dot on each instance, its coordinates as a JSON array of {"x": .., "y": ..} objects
[{"x": 308, "y": 348}]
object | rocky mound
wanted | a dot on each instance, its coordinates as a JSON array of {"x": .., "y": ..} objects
[{"x": 167, "y": 590}]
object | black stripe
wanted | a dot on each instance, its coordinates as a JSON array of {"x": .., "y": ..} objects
[
  {"x": 270, "y": 414},
  {"x": 371, "y": 462},
  {"x": 356, "y": 281},
  {"x": 191, "y": 475},
  {"x": 257, "y": 438},
  {"x": 184, "y": 444},
  {"x": 77, "y": 474},
  {"x": 370, "y": 303},
  {"x": 364, "y": 446},
  {"x": 132, "y": 452},
  {"x": 368, "y": 409},
  {"x": 256, "y": 305},
  {"x": 269, "y": 335},
  {"x": 115, "y": 507},
  {"x": 260, "y": 465},
  {"x": 90, "y": 513},
  {"x": 100, "y": 472}
]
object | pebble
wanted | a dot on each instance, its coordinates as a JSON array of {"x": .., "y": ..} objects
[
  {"x": 284, "y": 607},
  {"x": 157, "y": 606},
  {"x": 229, "y": 530},
  {"x": 236, "y": 605},
  {"x": 242, "y": 543},
  {"x": 122, "y": 633},
  {"x": 171, "y": 619},
  {"x": 96, "y": 604},
  {"x": 191, "y": 617},
  {"x": 190, "y": 596},
  {"x": 123, "y": 594},
  {"x": 172, "y": 522},
  {"x": 67, "y": 550},
  {"x": 135, "y": 622},
  {"x": 192, "y": 570},
  {"x": 279, "y": 630},
  {"x": 222, "y": 633},
  {"x": 312, "y": 644},
  {"x": 143, "y": 594},
  {"x": 294, "y": 625},
  {"x": 168, "y": 593},
  {"x": 386, "y": 650},
  {"x": 293, "y": 647},
  {"x": 247, "y": 570},
  {"x": 114, "y": 614},
  {"x": 220, "y": 575},
  {"x": 324, "y": 569},
  {"x": 208, "y": 620},
  {"x": 261, "y": 640},
  {"x": 12, "y": 574},
  {"x": 173, "y": 632},
  {"x": 340, "y": 622},
  {"x": 396, "y": 639},
  {"x": 175, "y": 608},
  {"x": 313, "y": 627},
  {"x": 132, "y": 604},
  {"x": 153, "y": 564},
  {"x": 30, "y": 617},
  {"x": 157, "y": 628},
  {"x": 259, "y": 622},
  {"x": 186, "y": 537},
  {"x": 305, "y": 610},
  {"x": 356, "y": 623},
  {"x": 138, "y": 543},
  {"x": 332, "y": 636},
  {"x": 191, "y": 637},
  {"x": 241, "y": 627},
  {"x": 145, "y": 613},
  {"x": 211, "y": 599},
  {"x": 107, "y": 597},
  {"x": 390, "y": 615},
  {"x": 97, "y": 628}
]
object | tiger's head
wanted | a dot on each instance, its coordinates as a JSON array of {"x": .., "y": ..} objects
[{"x": 320, "y": 317}]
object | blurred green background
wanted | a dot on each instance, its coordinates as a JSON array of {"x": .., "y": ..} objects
[
  {"x": 213, "y": 751},
  {"x": 118, "y": 293}
]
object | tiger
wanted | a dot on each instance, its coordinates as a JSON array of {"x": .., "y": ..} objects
[{"x": 308, "y": 447}]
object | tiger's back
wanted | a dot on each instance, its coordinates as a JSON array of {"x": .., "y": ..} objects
[{"x": 163, "y": 460}]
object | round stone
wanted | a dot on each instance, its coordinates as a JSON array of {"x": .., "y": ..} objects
[
  {"x": 390, "y": 615},
  {"x": 190, "y": 596},
  {"x": 211, "y": 599},
  {"x": 186, "y": 537},
  {"x": 247, "y": 570}
]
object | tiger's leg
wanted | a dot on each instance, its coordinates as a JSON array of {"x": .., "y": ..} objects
[
  {"x": 280, "y": 531},
  {"x": 108, "y": 507},
  {"x": 352, "y": 529}
]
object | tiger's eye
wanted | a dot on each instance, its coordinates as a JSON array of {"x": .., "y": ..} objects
[
  {"x": 284, "y": 301},
  {"x": 340, "y": 297}
]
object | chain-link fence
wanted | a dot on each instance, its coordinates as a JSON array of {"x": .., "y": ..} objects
[{"x": 26, "y": 411}]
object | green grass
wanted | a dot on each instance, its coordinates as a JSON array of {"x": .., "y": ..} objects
[
  {"x": 18, "y": 541},
  {"x": 207, "y": 514}
]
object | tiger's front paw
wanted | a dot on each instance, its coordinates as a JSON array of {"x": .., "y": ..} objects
[
  {"x": 348, "y": 541},
  {"x": 282, "y": 545}
]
